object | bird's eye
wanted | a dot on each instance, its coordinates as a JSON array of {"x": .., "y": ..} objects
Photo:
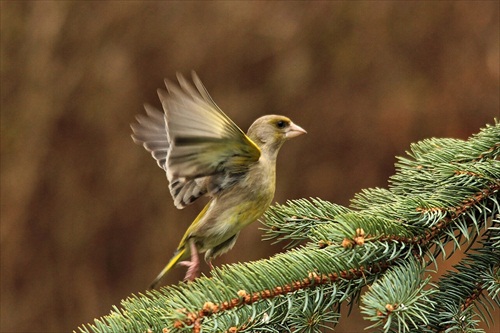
[{"x": 281, "y": 124}]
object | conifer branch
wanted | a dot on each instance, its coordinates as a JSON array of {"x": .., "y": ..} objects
[{"x": 444, "y": 192}]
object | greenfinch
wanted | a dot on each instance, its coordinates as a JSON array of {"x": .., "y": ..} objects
[{"x": 204, "y": 153}]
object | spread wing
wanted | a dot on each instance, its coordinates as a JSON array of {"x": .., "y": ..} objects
[{"x": 199, "y": 147}]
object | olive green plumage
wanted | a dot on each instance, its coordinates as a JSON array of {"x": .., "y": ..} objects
[{"x": 205, "y": 154}]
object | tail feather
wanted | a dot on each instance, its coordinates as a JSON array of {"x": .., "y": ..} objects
[{"x": 175, "y": 259}]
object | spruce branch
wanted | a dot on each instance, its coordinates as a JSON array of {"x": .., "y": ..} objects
[
  {"x": 292, "y": 222},
  {"x": 410, "y": 303},
  {"x": 445, "y": 191},
  {"x": 476, "y": 278}
]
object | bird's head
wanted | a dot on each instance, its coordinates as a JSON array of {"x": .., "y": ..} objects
[{"x": 270, "y": 132}]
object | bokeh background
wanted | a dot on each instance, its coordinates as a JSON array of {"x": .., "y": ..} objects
[{"x": 86, "y": 216}]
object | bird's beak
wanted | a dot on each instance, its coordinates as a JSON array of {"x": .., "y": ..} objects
[{"x": 294, "y": 130}]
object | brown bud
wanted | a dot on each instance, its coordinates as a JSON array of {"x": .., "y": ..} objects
[
  {"x": 360, "y": 240},
  {"x": 347, "y": 243},
  {"x": 192, "y": 316},
  {"x": 208, "y": 307}
]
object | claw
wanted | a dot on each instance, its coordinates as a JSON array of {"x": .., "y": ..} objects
[{"x": 193, "y": 265}]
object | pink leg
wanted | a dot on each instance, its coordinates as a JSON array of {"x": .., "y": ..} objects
[{"x": 193, "y": 265}]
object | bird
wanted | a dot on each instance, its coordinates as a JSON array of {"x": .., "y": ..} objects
[{"x": 205, "y": 154}]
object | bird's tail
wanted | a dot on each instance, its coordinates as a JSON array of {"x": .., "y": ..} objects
[{"x": 175, "y": 259}]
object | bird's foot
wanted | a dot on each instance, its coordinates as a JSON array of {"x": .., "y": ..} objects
[
  {"x": 192, "y": 272},
  {"x": 193, "y": 265}
]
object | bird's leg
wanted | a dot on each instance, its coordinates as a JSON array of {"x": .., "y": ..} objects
[{"x": 193, "y": 265}]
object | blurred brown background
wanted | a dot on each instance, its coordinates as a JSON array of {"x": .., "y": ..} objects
[{"x": 86, "y": 216}]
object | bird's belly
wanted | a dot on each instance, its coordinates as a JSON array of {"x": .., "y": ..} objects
[{"x": 221, "y": 225}]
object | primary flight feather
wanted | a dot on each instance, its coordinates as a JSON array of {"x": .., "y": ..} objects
[{"x": 204, "y": 153}]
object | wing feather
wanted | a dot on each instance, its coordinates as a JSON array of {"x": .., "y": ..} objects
[
  {"x": 150, "y": 131},
  {"x": 200, "y": 148}
]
